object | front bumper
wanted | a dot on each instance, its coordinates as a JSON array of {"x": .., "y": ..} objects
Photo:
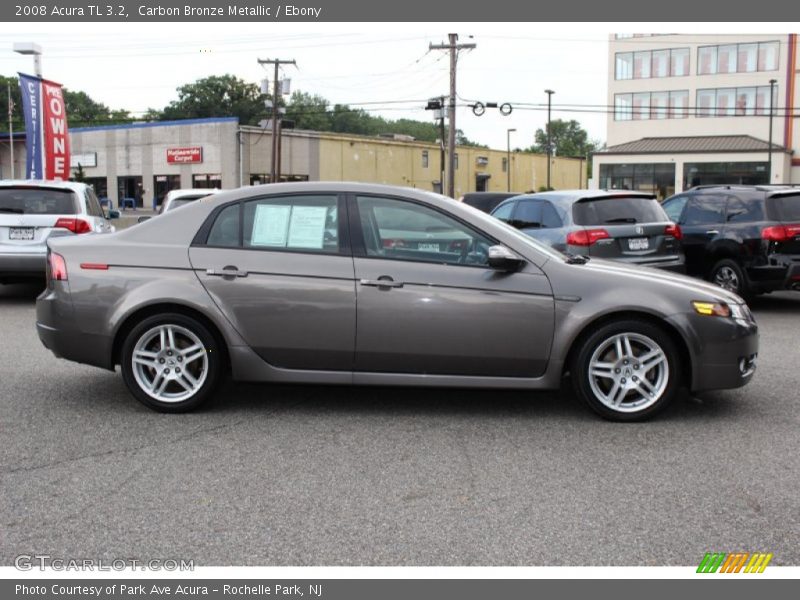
[{"x": 724, "y": 350}]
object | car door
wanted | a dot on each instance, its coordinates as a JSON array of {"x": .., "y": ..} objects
[
  {"x": 702, "y": 223},
  {"x": 427, "y": 302},
  {"x": 281, "y": 271}
]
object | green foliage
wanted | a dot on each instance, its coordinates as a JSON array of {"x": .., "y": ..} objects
[
  {"x": 569, "y": 139},
  {"x": 79, "y": 174},
  {"x": 216, "y": 96}
]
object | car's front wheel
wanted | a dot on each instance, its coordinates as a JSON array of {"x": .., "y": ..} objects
[
  {"x": 171, "y": 362},
  {"x": 627, "y": 370}
]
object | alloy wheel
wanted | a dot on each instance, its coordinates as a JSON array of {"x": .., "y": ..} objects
[
  {"x": 726, "y": 278},
  {"x": 628, "y": 372},
  {"x": 170, "y": 363}
]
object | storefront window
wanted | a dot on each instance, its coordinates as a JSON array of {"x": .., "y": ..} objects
[
  {"x": 721, "y": 173},
  {"x": 207, "y": 181},
  {"x": 654, "y": 178}
]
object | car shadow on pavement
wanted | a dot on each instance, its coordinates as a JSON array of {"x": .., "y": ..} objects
[
  {"x": 776, "y": 303},
  {"x": 20, "y": 293}
]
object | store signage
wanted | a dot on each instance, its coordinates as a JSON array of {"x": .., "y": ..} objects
[
  {"x": 45, "y": 129},
  {"x": 87, "y": 159},
  {"x": 185, "y": 155}
]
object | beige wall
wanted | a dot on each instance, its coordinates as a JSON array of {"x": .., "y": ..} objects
[{"x": 349, "y": 158}]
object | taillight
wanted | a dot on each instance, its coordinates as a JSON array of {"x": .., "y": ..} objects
[
  {"x": 780, "y": 233},
  {"x": 586, "y": 237},
  {"x": 392, "y": 243},
  {"x": 74, "y": 225},
  {"x": 673, "y": 230},
  {"x": 57, "y": 267}
]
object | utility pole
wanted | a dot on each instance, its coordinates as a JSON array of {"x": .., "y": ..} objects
[
  {"x": 453, "y": 47},
  {"x": 772, "y": 83},
  {"x": 274, "y": 166},
  {"x": 549, "y": 137},
  {"x": 11, "y": 127}
]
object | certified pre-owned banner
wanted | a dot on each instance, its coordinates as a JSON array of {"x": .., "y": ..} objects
[{"x": 46, "y": 132}]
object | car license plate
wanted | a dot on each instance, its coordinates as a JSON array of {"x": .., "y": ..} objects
[
  {"x": 428, "y": 247},
  {"x": 20, "y": 233},
  {"x": 638, "y": 244}
]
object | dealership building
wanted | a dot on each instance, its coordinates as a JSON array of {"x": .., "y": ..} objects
[
  {"x": 143, "y": 161},
  {"x": 689, "y": 110}
]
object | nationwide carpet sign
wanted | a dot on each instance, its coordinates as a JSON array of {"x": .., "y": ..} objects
[{"x": 46, "y": 134}]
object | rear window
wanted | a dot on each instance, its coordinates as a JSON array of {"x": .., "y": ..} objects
[
  {"x": 610, "y": 211},
  {"x": 184, "y": 200},
  {"x": 37, "y": 201},
  {"x": 786, "y": 208}
]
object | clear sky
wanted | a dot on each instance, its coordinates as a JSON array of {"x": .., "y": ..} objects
[{"x": 387, "y": 69}]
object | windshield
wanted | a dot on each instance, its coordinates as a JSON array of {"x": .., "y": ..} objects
[
  {"x": 618, "y": 210},
  {"x": 37, "y": 201}
]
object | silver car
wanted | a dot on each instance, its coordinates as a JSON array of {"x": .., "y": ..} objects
[
  {"x": 344, "y": 283},
  {"x": 33, "y": 212},
  {"x": 615, "y": 224}
]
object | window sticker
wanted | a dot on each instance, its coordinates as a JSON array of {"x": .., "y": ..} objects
[
  {"x": 307, "y": 227},
  {"x": 271, "y": 225}
]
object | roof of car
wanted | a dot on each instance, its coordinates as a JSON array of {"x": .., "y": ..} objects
[
  {"x": 75, "y": 186},
  {"x": 571, "y": 196},
  {"x": 770, "y": 190}
]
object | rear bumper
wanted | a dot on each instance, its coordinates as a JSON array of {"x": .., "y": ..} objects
[
  {"x": 30, "y": 265},
  {"x": 55, "y": 324},
  {"x": 782, "y": 272}
]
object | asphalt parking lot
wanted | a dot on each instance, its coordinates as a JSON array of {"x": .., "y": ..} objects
[{"x": 279, "y": 475}]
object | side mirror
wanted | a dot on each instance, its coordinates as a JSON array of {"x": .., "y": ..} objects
[
  {"x": 143, "y": 219},
  {"x": 503, "y": 259},
  {"x": 113, "y": 214}
]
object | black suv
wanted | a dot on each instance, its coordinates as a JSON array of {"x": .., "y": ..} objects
[{"x": 743, "y": 238}]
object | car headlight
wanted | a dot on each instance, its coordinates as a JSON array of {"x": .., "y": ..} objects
[{"x": 722, "y": 309}]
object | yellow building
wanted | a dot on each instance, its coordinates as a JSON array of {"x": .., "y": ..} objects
[{"x": 389, "y": 160}]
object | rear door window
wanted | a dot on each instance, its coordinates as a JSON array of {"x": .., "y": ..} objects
[
  {"x": 705, "y": 209},
  {"x": 37, "y": 201},
  {"x": 550, "y": 216},
  {"x": 528, "y": 214},
  {"x": 744, "y": 211},
  {"x": 617, "y": 211},
  {"x": 299, "y": 223}
]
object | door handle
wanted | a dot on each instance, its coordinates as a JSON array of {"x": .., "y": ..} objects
[
  {"x": 384, "y": 283},
  {"x": 226, "y": 272},
  {"x": 713, "y": 232}
]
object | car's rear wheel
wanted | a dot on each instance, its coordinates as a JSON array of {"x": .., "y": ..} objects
[
  {"x": 729, "y": 275},
  {"x": 171, "y": 362},
  {"x": 627, "y": 370}
]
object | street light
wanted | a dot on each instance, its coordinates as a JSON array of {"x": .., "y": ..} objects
[
  {"x": 508, "y": 157},
  {"x": 549, "y": 138},
  {"x": 772, "y": 83},
  {"x": 31, "y": 49}
]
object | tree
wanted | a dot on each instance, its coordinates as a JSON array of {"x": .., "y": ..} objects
[
  {"x": 569, "y": 139},
  {"x": 308, "y": 112},
  {"x": 216, "y": 96}
]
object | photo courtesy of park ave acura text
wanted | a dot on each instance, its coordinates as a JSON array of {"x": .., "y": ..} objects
[{"x": 280, "y": 291}]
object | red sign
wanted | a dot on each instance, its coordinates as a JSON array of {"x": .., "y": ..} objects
[
  {"x": 56, "y": 140},
  {"x": 187, "y": 155}
]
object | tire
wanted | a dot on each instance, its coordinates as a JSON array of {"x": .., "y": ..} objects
[
  {"x": 727, "y": 274},
  {"x": 173, "y": 372},
  {"x": 608, "y": 376}
]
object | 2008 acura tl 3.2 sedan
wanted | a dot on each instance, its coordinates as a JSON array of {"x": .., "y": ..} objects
[{"x": 339, "y": 283}]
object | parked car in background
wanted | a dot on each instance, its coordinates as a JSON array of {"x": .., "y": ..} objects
[
  {"x": 33, "y": 212},
  {"x": 486, "y": 201},
  {"x": 743, "y": 238},
  {"x": 177, "y": 198},
  {"x": 267, "y": 283},
  {"x": 619, "y": 225}
]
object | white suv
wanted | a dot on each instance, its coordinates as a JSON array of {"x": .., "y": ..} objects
[{"x": 33, "y": 211}]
